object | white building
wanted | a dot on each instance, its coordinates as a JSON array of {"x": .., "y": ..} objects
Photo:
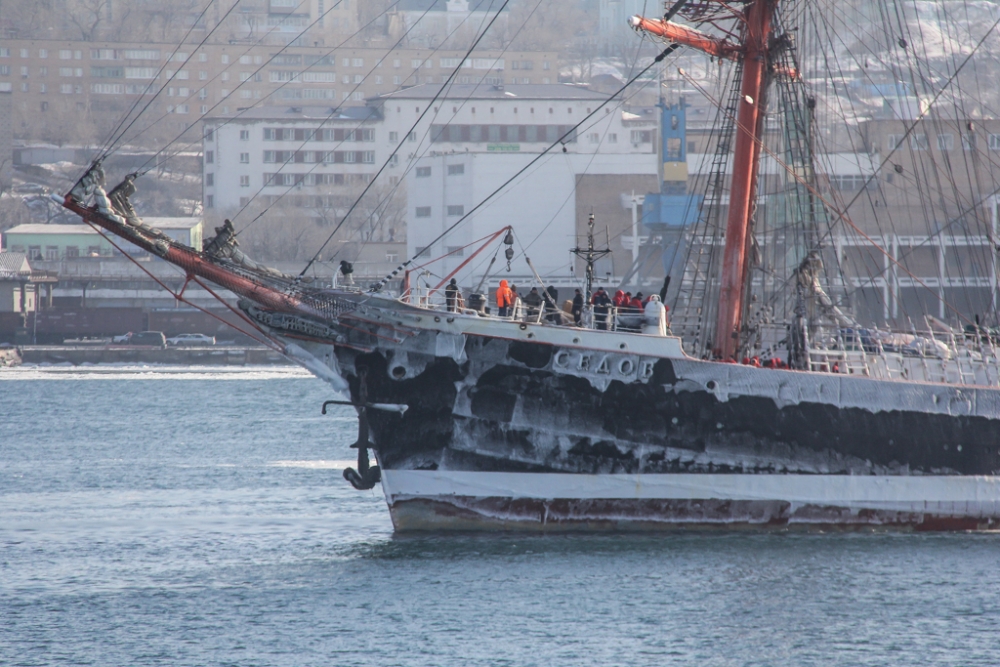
[
  {"x": 477, "y": 137},
  {"x": 310, "y": 157}
]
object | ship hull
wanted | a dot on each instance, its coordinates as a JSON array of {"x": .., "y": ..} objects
[
  {"x": 441, "y": 500},
  {"x": 535, "y": 427}
]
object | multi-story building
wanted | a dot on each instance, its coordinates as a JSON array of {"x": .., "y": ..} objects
[
  {"x": 76, "y": 92},
  {"x": 306, "y": 157},
  {"x": 460, "y": 148}
]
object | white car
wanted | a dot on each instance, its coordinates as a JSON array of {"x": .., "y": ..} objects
[{"x": 190, "y": 339}]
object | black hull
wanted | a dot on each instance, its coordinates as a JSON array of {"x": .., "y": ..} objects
[{"x": 521, "y": 408}]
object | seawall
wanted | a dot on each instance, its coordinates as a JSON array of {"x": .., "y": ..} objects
[{"x": 136, "y": 354}]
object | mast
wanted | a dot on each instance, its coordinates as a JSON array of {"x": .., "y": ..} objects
[
  {"x": 590, "y": 255},
  {"x": 756, "y": 19}
]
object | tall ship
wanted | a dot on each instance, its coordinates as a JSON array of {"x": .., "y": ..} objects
[{"x": 766, "y": 401}]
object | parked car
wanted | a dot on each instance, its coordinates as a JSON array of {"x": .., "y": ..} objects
[
  {"x": 190, "y": 339},
  {"x": 123, "y": 339},
  {"x": 155, "y": 338}
]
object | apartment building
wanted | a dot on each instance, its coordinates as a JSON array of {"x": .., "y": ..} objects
[
  {"x": 76, "y": 92},
  {"x": 305, "y": 157}
]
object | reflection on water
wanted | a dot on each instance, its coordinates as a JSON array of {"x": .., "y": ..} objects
[{"x": 203, "y": 519}]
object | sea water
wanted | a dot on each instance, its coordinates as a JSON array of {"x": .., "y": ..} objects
[{"x": 199, "y": 517}]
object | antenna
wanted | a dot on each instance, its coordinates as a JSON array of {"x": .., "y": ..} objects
[{"x": 590, "y": 255}]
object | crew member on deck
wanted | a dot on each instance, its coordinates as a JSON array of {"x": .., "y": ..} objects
[
  {"x": 453, "y": 296},
  {"x": 505, "y": 299},
  {"x": 534, "y": 302},
  {"x": 601, "y": 302},
  {"x": 577, "y": 307},
  {"x": 551, "y": 304}
]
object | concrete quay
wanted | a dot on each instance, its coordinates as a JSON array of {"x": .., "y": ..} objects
[{"x": 139, "y": 354}]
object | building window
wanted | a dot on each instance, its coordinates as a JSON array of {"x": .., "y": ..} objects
[
  {"x": 612, "y": 138},
  {"x": 423, "y": 172},
  {"x": 641, "y": 136},
  {"x": 995, "y": 142},
  {"x": 209, "y": 157},
  {"x": 52, "y": 253},
  {"x": 454, "y": 169},
  {"x": 209, "y": 179},
  {"x": 394, "y": 137},
  {"x": 209, "y": 201},
  {"x": 594, "y": 138},
  {"x": 423, "y": 211},
  {"x": 244, "y": 181},
  {"x": 244, "y": 158},
  {"x": 412, "y": 136},
  {"x": 918, "y": 142},
  {"x": 244, "y": 135},
  {"x": 456, "y": 210},
  {"x": 945, "y": 142},
  {"x": 72, "y": 251},
  {"x": 969, "y": 142},
  {"x": 851, "y": 182},
  {"x": 34, "y": 252}
]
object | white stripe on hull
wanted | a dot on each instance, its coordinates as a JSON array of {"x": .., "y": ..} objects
[{"x": 459, "y": 499}]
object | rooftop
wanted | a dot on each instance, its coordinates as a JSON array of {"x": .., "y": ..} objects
[
  {"x": 160, "y": 223},
  {"x": 324, "y": 113},
  {"x": 172, "y": 223},
  {"x": 485, "y": 91},
  {"x": 14, "y": 265},
  {"x": 442, "y": 6},
  {"x": 39, "y": 228}
]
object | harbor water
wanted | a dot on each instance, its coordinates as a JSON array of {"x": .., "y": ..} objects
[{"x": 177, "y": 516}]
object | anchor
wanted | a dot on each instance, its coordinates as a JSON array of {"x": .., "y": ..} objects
[{"x": 366, "y": 476}]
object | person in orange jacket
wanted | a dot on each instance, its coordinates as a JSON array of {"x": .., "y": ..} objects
[{"x": 505, "y": 299}]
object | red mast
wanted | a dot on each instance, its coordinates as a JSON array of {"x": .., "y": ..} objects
[{"x": 756, "y": 18}]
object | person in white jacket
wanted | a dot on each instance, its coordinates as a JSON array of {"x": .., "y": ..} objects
[{"x": 654, "y": 317}]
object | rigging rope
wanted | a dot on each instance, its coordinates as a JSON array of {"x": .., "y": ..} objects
[
  {"x": 670, "y": 49},
  {"x": 430, "y": 104}
]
